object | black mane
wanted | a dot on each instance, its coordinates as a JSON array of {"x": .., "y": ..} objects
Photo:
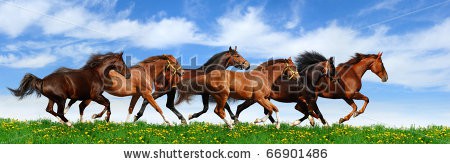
[
  {"x": 96, "y": 59},
  {"x": 307, "y": 59}
]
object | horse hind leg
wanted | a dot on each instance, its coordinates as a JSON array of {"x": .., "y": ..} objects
[
  {"x": 302, "y": 107},
  {"x": 49, "y": 109},
  {"x": 241, "y": 108},
  {"x": 105, "y": 102},
  {"x": 270, "y": 107}
]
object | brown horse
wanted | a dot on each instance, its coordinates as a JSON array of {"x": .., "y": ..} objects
[
  {"x": 348, "y": 81},
  {"x": 312, "y": 66},
  {"x": 254, "y": 85},
  {"x": 83, "y": 84},
  {"x": 220, "y": 61},
  {"x": 162, "y": 71}
]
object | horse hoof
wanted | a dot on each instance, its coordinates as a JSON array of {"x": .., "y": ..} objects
[
  {"x": 230, "y": 127},
  {"x": 190, "y": 117},
  {"x": 356, "y": 114},
  {"x": 312, "y": 123},
  {"x": 69, "y": 124},
  {"x": 257, "y": 121},
  {"x": 295, "y": 123},
  {"x": 183, "y": 121},
  {"x": 236, "y": 121},
  {"x": 94, "y": 116},
  {"x": 278, "y": 126},
  {"x": 169, "y": 123},
  {"x": 341, "y": 120}
]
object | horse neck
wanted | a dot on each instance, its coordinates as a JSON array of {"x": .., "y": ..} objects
[
  {"x": 275, "y": 71},
  {"x": 361, "y": 67},
  {"x": 155, "y": 72},
  {"x": 219, "y": 64},
  {"x": 103, "y": 70}
]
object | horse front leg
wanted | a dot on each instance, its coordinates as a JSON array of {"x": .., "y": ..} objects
[
  {"x": 241, "y": 108},
  {"x": 133, "y": 102},
  {"x": 105, "y": 102},
  {"x": 83, "y": 106},
  {"x": 359, "y": 96},
  {"x": 205, "y": 100},
  {"x": 71, "y": 102},
  {"x": 221, "y": 100},
  {"x": 348, "y": 116},
  {"x": 171, "y": 105}
]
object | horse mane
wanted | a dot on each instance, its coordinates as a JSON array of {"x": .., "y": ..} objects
[
  {"x": 213, "y": 59},
  {"x": 96, "y": 59},
  {"x": 153, "y": 59},
  {"x": 308, "y": 58},
  {"x": 64, "y": 69},
  {"x": 356, "y": 59},
  {"x": 269, "y": 63}
]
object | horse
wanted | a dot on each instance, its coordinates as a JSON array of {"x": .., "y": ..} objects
[
  {"x": 253, "y": 85},
  {"x": 83, "y": 84},
  {"x": 220, "y": 61},
  {"x": 312, "y": 66},
  {"x": 160, "y": 71},
  {"x": 348, "y": 82}
]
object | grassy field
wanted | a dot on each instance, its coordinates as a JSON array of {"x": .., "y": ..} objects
[{"x": 46, "y": 131}]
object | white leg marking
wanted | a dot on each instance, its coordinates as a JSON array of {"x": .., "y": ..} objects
[
  {"x": 278, "y": 120},
  {"x": 228, "y": 123},
  {"x": 66, "y": 109},
  {"x": 81, "y": 118},
  {"x": 128, "y": 117},
  {"x": 68, "y": 123},
  {"x": 295, "y": 123}
]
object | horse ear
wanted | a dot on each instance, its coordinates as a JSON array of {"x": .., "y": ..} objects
[
  {"x": 235, "y": 48},
  {"x": 379, "y": 55},
  {"x": 229, "y": 49},
  {"x": 331, "y": 60},
  {"x": 121, "y": 53}
]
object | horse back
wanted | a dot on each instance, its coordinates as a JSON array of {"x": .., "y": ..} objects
[{"x": 78, "y": 84}]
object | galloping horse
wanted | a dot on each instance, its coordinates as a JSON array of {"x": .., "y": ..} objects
[
  {"x": 83, "y": 84},
  {"x": 157, "y": 70},
  {"x": 348, "y": 81},
  {"x": 220, "y": 61},
  {"x": 312, "y": 66},
  {"x": 254, "y": 85}
]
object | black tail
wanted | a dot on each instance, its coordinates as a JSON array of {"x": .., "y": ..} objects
[
  {"x": 28, "y": 86},
  {"x": 184, "y": 91}
]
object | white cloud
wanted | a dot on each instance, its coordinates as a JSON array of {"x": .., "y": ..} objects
[
  {"x": 383, "y": 5},
  {"x": 295, "y": 13},
  {"x": 29, "y": 61},
  {"x": 16, "y": 16}
]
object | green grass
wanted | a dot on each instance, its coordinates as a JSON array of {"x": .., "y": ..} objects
[{"x": 46, "y": 131}]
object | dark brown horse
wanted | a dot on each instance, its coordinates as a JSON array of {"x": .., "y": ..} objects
[
  {"x": 348, "y": 81},
  {"x": 162, "y": 71},
  {"x": 254, "y": 85},
  {"x": 220, "y": 61},
  {"x": 83, "y": 84},
  {"x": 312, "y": 66}
]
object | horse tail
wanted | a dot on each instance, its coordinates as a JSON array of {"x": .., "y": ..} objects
[
  {"x": 189, "y": 87},
  {"x": 29, "y": 85},
  {"x": 184, "y": 91}
]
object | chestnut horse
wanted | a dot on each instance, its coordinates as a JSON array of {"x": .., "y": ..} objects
[
  {"x": 254, "y": 85},
  {"x": 348, "y": 81},
  {"x": 312, "y": 66},
  {"x": 82, "y": 84},
  {"x": 220, "y": 61},
  {"x": 156, "y": 70}
]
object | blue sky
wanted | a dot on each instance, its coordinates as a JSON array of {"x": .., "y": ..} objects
[{"x": 40, "y": 36}]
